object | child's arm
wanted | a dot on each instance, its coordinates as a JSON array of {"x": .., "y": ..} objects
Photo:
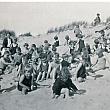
[
  {"x": 32, "y": 81},
  {"x": 77, "y": 69},
  {"x": 95, "y": 63},
  {"x": 19, "y": 69},
  {"x": 60, "y": 67},
  {"x": 38, "y": 67}
]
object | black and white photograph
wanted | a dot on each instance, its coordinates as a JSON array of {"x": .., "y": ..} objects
[{"x": 54, "y": 55}]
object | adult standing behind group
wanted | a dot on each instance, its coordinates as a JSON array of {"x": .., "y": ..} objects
[
  {"x": 97, "y": 20},
  {"x": 7, "y": 41},
  {"x": 77, "y": 31}
]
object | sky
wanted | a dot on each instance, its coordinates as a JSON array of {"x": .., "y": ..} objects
[{"x": 39, "y": 17}]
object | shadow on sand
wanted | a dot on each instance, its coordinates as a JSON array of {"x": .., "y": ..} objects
[
  {"x": 8, "y": 89},
  {"x": 80, "y": 92}
]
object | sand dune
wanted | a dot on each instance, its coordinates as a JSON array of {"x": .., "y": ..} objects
[{"x": 96, "y": 96}]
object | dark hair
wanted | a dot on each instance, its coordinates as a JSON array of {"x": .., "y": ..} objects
[
  {"x": 26, "y": 44},
  {"x": 57, "y": 55},
  {"x": 19, "y": 49},
  {"x": 45, "y": 41},
  {"x": 96, "y": 41},
  {"x": 56, "y": 38},
  {"x": 34, "y": 45},
  {"x": 67, "y": 37}
]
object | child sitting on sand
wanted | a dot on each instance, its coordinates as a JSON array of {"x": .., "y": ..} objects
[
  {"x": 86, "y": 57},
  {"x": 42, "y": 68},
  {"x": 18, "y": 56},
  {"x": 26, "y": 83},
  {"x": 101, "y": 61},
  {"x": 80, "y": 73},
  {"x": 5, "y": 62}
]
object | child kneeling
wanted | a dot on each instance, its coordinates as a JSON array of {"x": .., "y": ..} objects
[{"x": 63, "y": 82}]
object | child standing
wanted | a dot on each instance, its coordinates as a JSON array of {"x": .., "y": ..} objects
[
  {"x": 42, "y": 68},
  {"x": 5, "y": 62},
  {"x": 13, "y": 46},
  {"x": 77, "y": 31},
  {"x": 56, "y": 43}
]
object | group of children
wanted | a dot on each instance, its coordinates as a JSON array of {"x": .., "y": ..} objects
[{"x": 36, "y": 64}]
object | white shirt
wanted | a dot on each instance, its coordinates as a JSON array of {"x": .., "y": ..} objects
[{"x": 9, "y": 42}]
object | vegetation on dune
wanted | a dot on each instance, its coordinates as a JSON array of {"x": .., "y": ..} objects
[
  {"x": 4, "y": 32},
  {"x": 67, "y": 27},
  {"x": 26, "y": 34}
]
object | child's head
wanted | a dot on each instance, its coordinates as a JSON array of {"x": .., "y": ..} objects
[
  {"x": 56, "y": 56},
  {"x": 67, "y": 37},
  {"x": 46, "y": 49},
  {"x": 99, "y": 52},
  {"x": 8, "y": 35},
  {"x": 56, "y": 37},
  {"x": 26, "y": 45},
  {"x": 6, "y": 54},
  {"x": 40, "y": 49},
  {"x": 80, "y": 36},
  {"x": 18, "y": 50},
  {"x": 77, "y": 26},
  {"x": 33, "y": 46},
  {"x": 44, "y": 61},
  {"x": 54, "y": 49},
  {"x": 65, "y": 57},
  {"x": 98, "y": 14},
  {"x": 45, "y": 41},
  {"x": 87, "y": 44},
  {"x": 28, "y": 70},
  {"x": 14, "y": 40},
  {"x": 96, "y": 41}
]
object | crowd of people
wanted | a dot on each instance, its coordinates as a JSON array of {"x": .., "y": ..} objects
[{"x": 36, "y": 64}]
